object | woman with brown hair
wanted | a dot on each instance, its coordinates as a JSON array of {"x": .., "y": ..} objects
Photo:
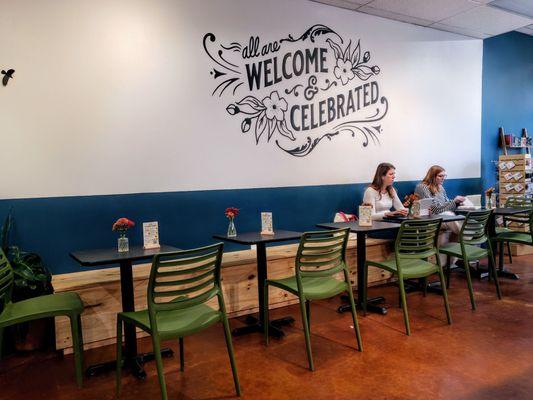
[
  {"x": 431, "y": 187},
  {"x": 381, "y": 195}
]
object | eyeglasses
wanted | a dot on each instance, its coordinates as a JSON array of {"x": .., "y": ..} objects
[{"x": 442, "y": 175}]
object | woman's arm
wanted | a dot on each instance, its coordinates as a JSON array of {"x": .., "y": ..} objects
[
  {"x": 442, "y": 203},
  {"x": 423, "y": 191},
  {"x": 370, "y": 197},
  {"x": 396, "y": 202}
]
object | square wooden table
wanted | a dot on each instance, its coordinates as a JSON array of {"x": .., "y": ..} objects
[
  {"x": 93, "y": 258},
  {"x": 255, "y": 238}
]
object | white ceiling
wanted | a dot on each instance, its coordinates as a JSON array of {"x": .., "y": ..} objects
[{"x": 475, "y": 18}]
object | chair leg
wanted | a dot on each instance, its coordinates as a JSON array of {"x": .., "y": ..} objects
[
  {"x": 182, "y": 355},
  {"x": 399, "y": 295},
  {"x": 448, "y": 270},
  {"x": 425, "y": 288},
  {"x": 445, "y": 295},
  {"x": 229, "y": 345},
  {"x": 469, "y": 282},
  {"x": 77, "y": 346},
  {"x": 404, "y": 306},
  {"x": 354, "y": 318},
  {"x": 265, "y": 315},
  {"x": 159, "y": 365},
  {"x": 492, "y": 269},
  {"x": 509, "y": 251},
  {"x": 308, "y": 312},
  {"x": 119, "y": 356},
  {"x": 1, "y": 341},
  {"x": 306, "y": 334}
]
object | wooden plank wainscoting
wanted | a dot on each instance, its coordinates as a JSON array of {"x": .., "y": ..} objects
[{"x": 100, "y": 289}]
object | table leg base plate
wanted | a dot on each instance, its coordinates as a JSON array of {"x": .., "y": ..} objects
[
  {"x": 504, "y": 273},
  {"x": 372, "y": 305},
  {"x": 134, "y": 365},
  {"x": 254, "y": 326}
]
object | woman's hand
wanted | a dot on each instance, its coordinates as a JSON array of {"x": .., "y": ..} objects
[
  {"x": 397, "y": 212},
  {"x": 459, "y": 199}
]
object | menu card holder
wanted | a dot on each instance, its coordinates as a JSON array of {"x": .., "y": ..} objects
[
  {"x": 365, "y": 215},
  {"x": 151, "y": 235},
  {"x": 266, "y": 223}
]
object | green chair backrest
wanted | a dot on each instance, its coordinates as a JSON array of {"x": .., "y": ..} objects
[
  {"x": 321, "y": 253},
  {"x": 519, "y": 202},
  {"x": 474, "y": 229},
  {"x": 417, "y": 240},
  {"x": 6, "y": 281},
  {"x": 184, "y": 278},
  {"x": 521, "y": 219}
]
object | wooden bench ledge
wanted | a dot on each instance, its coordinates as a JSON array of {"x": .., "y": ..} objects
[{"x": 92, "y": 276}]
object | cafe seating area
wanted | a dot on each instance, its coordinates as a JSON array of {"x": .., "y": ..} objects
[
  {"x": 282, "y": 199},
  {"x": 469, "y": 355},
  {"x": 181, "y": 284}
]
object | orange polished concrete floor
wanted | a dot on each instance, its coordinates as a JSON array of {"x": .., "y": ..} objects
[{"x": 485, "y": 354}]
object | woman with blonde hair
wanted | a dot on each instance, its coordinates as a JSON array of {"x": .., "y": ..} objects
[
  {"x": 381, "y": 195},
  {"x": 432, "y": 187}
]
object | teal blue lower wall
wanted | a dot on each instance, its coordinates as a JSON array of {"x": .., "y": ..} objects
[{"x": 53, "y": 227}]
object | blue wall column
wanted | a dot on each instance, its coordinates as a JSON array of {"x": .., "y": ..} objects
[{"x": 507, "y": 94}]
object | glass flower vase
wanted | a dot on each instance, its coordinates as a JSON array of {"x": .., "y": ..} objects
[
  {"x": 232, "y": 232},
  {"x": 123, "y": 244}
]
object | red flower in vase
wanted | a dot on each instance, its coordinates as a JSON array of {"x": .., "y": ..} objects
[
  {"x": 123, "y": 224},
  {"x": 231, "y": 212}
]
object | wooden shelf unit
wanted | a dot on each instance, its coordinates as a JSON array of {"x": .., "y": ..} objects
[{"x": 523, "y": 167}]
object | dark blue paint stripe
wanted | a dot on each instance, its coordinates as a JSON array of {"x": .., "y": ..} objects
[{"x": 53, "y": 227}]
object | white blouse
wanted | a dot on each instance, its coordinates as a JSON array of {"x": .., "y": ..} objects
[{"x": 381, "y": 204}]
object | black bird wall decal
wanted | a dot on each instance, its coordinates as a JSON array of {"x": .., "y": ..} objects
[{"x": 7, "y": 75}]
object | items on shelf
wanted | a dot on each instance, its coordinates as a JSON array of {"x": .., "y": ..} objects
[{"x": 515, "y": 173}]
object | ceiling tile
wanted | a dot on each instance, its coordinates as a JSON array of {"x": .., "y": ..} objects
[
  {"x": 460, "y": 31},
  {"x": 432, "y": 10},
  {"x": 394, "y": 16},
  {"x": 487, "y": 20},
  {"x": 349, "y": 4},
  {"x": 522, "y": 7},
  {"x": 526, "y": 30}
]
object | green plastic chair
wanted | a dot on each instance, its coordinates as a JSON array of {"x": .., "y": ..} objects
[
  {"x": 510, "y": 236},
  {"x": 473, "y": 234},
  {"x": 417, "y": 240},
  {"x": 180, "y": 285},
  {"x": 52, "y": 305},
  {"x": 520, "y": 219},
  {"x": 321, "y": 255}
]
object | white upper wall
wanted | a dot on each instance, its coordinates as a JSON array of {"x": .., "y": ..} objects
[{"x": 116, "y": 97}]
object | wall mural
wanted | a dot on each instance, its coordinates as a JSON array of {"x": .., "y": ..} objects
[{"x": 293, "y": 71}]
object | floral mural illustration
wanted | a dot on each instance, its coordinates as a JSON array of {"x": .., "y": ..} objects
[
  {"x": 268, "y": 115},
  {"x": 350, "y": 64},
  {"x": 267, "y": 81}
]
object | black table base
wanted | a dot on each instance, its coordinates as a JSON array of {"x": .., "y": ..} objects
[
  {"x": 372, "y": 305},
  {"x": 134, "y": 365},
  {"x": 132, "y": 360},
  {"x": 254, "y": 325}
]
